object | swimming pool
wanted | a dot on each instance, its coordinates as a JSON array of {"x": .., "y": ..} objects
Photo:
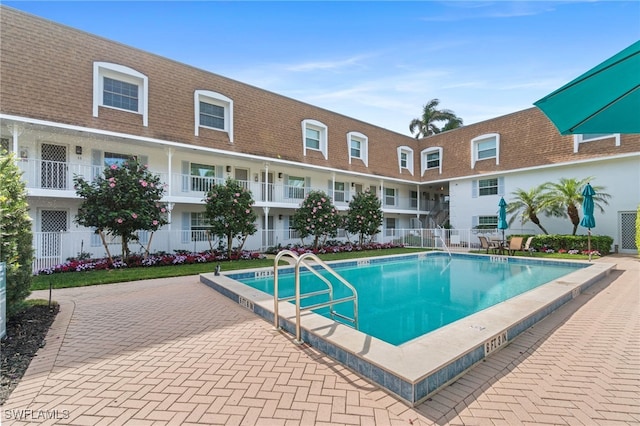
[
  {"x": 420, "y": 367},
  {"x": 404, "y": 298}
]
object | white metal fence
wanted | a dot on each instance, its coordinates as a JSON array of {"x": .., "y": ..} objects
[{"x": 54, "y": 248}]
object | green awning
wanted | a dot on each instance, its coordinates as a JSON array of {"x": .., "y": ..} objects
[{"x": 605, "y": 99}]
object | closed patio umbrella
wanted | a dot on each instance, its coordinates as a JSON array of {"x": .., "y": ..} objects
[
  {"x": 588, "y": 221},
  {"x": 605, "y": 99},
  {"x": 502, "y": 218}
]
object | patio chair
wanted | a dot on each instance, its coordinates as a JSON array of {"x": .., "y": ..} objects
[
  {"x": 527, "y": 246},
  {"x": 515, "y": 244},
  {"x": 487, "y": 245}
]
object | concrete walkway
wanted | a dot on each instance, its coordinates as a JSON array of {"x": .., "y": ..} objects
[{"x": 173, "y": 351}]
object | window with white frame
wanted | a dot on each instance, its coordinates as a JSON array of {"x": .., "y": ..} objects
[
  {"x": 111, "y": 158},
  {"x": 487, "y": 222},
  {"x": 389, "y": 196},
  {"x": 314, "y": 137},
  {"x": 390, "y": 226},
  {"x": 203, "y": 177},
  {"x": 358, "y": 146},
  {"x": 296, "y": 187},
  {"x": 485, "y": 147},
  {"x": 432, "y": 159},
  {"x": 405, "y": 159},
  {"x": 119, "y": 87},
  {"x": 488, "y": 186},
  {"x": 592, "y": 137},
  {"x": 213, "y": 111},
  {"x": 199, "y": 226}
]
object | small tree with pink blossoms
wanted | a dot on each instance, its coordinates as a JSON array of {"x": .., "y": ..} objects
[
  {"x": 125, "y": 200},
  {"x": 316, "y": 217},
  {"x": 364, "y": 216},
  {"x": 229, "y": 212}
]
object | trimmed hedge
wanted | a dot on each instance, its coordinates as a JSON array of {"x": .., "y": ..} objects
[{"x": 599, "y": 243}]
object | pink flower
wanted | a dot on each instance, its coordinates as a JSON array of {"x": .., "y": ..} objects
[
  {"x": 112, "y": 185},
  {"x": 119, "y": 220},
  {"x": 133, "y": 215},
  {"x": 113, "y": 167},
  {"x": 155, "y": 223},
  {"x": 237, "y": 194},
  {"x": 143, "y": 183},
  {"x": 247, "y": 211},
  {"x": 163, "y": 210},
  {"x": 112, "y": 179}
]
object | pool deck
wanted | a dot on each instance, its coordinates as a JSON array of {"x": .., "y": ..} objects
[{"x": 174, "y": 351}]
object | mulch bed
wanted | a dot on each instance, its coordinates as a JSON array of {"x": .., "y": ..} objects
[{"x": 26, "y": 332}]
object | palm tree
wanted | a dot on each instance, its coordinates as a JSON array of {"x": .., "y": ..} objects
[
  {"x": 526, "y": 206},
  {"x": 426, "y": 124},
  {"x": 565, "y": 197}
]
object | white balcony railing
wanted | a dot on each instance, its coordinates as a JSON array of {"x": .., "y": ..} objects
[{"x": 58, "y": 176}]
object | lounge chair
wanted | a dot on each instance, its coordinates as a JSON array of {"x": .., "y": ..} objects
[
  {"x": 487, "y": 245},
  {"x": 527, "y": 246},
  {"x": 515, "y": 244}
]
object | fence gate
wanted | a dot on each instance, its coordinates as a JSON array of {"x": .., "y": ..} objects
[
  {"x": 53, "y": 169},
  {"x": 627, "y": 224},
  {"x": 52, "y": 223}
]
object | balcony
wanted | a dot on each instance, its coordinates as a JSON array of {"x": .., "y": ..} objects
[{"x": 54, "y": 178}]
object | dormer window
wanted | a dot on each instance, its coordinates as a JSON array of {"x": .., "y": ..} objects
[
  {"x": 314, "y": 137},
  {"x": 358, "y": 147},
  {"x": 592, "y": 137},
  {"x": 213, "y": 111},
  {"x": 432, "y": 159},
  {"x": 119, "y": 87},
  {"x": 485, "y": 147},
  {"x": 405, "y": 159}
]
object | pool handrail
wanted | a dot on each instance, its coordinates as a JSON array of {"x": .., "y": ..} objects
[{"x": 301, "y": 260}]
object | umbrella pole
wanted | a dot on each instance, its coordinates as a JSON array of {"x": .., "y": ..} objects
[{"x": 589, "y": 243}]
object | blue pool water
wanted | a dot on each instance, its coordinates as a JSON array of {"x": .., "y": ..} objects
[{"x": 400, "y": 300}]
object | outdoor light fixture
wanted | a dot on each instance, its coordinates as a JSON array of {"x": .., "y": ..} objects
[
  {"x": 255, "y": 177},
  {"x": 228, "y": 169},
  {"x": 280, "y": 216},
  {"x": 280, "y": 175}
]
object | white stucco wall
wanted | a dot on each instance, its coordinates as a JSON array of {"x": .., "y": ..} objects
[{"x": 620, "y": 178}]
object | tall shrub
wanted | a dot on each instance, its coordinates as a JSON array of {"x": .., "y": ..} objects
[
  {"x": 364, "y": 216},
  {"x": 317, "y": 217},
  {"x": 229, "y": 212},
  {"x": 15, "y": 233},
  {"x": 123, "y": 201}
]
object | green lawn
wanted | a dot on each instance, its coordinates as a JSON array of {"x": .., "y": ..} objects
[{"x": 80, "y": 279}]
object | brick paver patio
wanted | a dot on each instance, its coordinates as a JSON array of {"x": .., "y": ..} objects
[{"x": 173, "y": 351}]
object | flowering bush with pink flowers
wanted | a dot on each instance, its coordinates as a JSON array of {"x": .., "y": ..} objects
[
  {"x": 180, "y": 257},
  {"x": 125, "y": 200}
]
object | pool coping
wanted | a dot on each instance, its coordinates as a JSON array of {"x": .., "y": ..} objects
[{"x": 405, "y": 370}]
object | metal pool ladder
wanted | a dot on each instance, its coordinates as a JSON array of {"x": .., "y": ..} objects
[{"x": 301, "y": 261}]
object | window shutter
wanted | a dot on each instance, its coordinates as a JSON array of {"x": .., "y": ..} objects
[
  {"x": 474, "y": 189},
  {"x": 186, "y": 227},
  {"x": 501, "y": 186},
  {"x": 96, "y": 162},
  {"x": 285, "y": 187},
  {"x": 331, "y": 190},
  {"x": 219, "y": 175},
  {"x": 185, "y": 176}
]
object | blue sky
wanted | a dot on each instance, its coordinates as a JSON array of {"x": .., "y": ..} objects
[{"x": 379, "y": 62}]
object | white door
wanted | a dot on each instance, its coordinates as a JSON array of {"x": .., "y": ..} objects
[{"x": 53, "y": 170}]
